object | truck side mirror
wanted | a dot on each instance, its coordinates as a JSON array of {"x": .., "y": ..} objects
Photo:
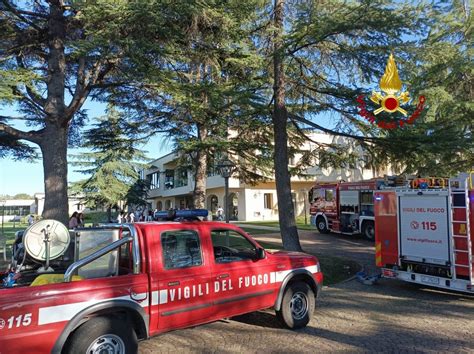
[{"x": 260, "y": 253}]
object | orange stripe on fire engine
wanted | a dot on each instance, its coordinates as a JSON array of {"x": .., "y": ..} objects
[{"x": 378, "y": 254}]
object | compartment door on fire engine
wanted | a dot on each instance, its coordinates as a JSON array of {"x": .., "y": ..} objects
[
  {"x": 424, "y": 231},
  {"x": 185, "y": 294},
  {"x": 241, "y": 282}
]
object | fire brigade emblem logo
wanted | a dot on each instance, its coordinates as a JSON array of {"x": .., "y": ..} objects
[
  {"x": 415, "y": 225},
  {"x": 390, "y": 100},
  {"x": 2, "y": 323}
]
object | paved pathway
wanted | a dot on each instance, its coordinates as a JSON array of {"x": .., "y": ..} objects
[{"x": 389, "y": 317}]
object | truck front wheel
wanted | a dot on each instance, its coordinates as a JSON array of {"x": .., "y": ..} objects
[
  {"x": 321, "y": 225},
  {"x": 368, "y": 230},
  {"x": 297, "y": 305},
  {"x": 103, "y": 335}
]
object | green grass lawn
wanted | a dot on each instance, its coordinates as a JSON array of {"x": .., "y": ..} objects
[
  {"x": 300, "y": 223},
  {"x": 253, "y": 231},
  {"x": 9, "y": 229}
]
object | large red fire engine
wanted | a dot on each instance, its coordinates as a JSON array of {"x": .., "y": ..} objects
[
  {"x": 346, "y": 207},
  {"x": 425, "y": 235},
  {"x": 98, "y": 290}
]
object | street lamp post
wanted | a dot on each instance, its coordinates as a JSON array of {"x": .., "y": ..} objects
[
  {"x": 304, "y": 206},
  {"x": 226, "y": 168}
]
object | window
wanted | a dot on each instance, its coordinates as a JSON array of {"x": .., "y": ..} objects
[
  {"x": 268, "y": 201},
  {"x": 116, "y": 262},
  {"x": 181, "y": 249},
  {"x": 14, "y": 210},
  {"x": 154, "y": 180},
  {"x": 329, "y": 195},
  {"x": 230, "y": 246},
  {"x": 292, "y": 161},
  {"x": 169, "y": 179},
  {"x": 181, "y": 178}
]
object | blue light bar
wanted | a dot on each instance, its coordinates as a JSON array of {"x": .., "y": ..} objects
[{"x": 181, "y": 214}]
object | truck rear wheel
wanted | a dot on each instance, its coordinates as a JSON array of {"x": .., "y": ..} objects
[
  {"x": 321, "y": 225},
  {"x": 297, "y": 305},
  {"x": 368, "y": 230},
  {"x": 103, "y": 335}
]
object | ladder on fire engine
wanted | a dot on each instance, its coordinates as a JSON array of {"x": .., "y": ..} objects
[{"x": 461, "y": 241}]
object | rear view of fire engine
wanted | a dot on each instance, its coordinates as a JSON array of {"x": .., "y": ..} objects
[
  {"x": 347, "y": 207},
  {"x": 424, "y": 234}
]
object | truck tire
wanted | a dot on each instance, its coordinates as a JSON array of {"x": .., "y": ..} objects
[
  {"x": 368, "y": 230},
  {"x": 103, "y": 334},
  {"x": 297, "y": 305},
  {"x": 321, "y": 225}
]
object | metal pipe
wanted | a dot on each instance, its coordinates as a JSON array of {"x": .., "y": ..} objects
[
  {"x": 226, "y": 199},
  {"x": 136, "y": 246}
]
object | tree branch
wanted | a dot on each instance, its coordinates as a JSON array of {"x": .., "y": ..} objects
[
  {"x": 32, "y": 135},
  {"x": 40, "y": 101},
  {"x": 19, "y": 14},
  {"x": 294, "y": 117}
]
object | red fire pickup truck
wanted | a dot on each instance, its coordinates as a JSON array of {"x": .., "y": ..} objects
[{"x": 102, "y": 289}]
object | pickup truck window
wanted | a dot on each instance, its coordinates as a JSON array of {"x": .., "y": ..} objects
[
  {"x": 231, "y": 246},
  {"x": 181, "y": 249}
]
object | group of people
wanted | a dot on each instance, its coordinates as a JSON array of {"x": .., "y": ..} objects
[
  {"x": 76, "y": 220},
  {"x": 133, "y": 216}
]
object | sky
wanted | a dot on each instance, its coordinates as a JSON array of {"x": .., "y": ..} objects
[{"x": 27, "y": 177}]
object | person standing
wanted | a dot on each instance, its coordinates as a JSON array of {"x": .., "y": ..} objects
[
  {"x": 80, "y": 220},
  {"x": 31, "y": 220},
  {"x": 220, "y": 213},
  {"x": 73, "y": 221},
  {"x": 149, "y": 216}
]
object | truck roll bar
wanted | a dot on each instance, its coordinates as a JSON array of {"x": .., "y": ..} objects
[
  {"x": 92, "y": 257},
  {"x": 99, "y": 253}
]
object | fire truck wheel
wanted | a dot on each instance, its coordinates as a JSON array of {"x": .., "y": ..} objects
[
  {"x": 103, "y": 335},
  {"x": 368, "y": 230},
  {"x": 297, "y": 305},
  {"x": 321, "y": 225}
]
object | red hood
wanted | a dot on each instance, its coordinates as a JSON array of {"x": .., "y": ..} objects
[{"x": 292, "y": 257}]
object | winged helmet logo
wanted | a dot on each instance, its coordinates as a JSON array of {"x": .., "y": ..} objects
[{"x": 390, "y": 99}]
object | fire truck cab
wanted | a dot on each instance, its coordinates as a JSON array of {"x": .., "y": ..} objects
[
  {"x": 345, "y": 207},
  {"x": 424, "y": 233}
]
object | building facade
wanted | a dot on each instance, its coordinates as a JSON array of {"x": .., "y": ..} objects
[
  {"x": 171, "y": 186},
  {"x": 15, "y": 209}
]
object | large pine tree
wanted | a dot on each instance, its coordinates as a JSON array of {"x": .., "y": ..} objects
[
  {"x": 201, "y": 89},
  {"x": 112, "y": 160},
  {"x": 324, "y": 54},
  {"x": 54, "y": 55}
]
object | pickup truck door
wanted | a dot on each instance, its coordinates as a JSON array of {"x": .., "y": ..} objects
[
  {"x": 241, "y": 282},
  {"x": 180, "y": 279}
]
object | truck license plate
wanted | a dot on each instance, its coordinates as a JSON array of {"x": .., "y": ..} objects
[{"x": 429, "y": 280}]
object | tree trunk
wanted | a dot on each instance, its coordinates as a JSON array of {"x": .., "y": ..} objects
[
  {"x": 53, "y": 141},
  {"x": 286, "y": 211},
  {"x": 54, "y": 150},
  {"x": 200, "y": 176},
  {"x": 109, "y": 213}
]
